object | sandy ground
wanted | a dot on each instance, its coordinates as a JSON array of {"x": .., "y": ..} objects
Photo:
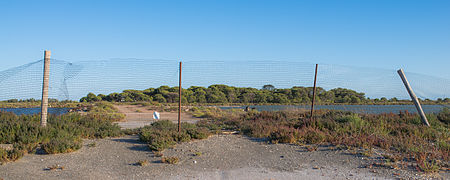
[
  {"x": 222, "y": 157},
  {"x": 139, "y": 116}
]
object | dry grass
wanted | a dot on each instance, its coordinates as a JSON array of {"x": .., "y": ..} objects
[
  {"x": 170, "y": 160},
  {"x": 142, "y": 163},
  {"x": 402, "y": 135},
  {"x": 54, "y": 167}
]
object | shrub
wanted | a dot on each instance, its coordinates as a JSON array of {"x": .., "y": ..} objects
[
  {"x": 352, "y": 118},
  {"x": 401, "y": 134},
  {"x": 10, "y": 155},
  {"x": 159, "y": 141},
  {"x": 284, "y": 135},
  {"x": 3, "y": 155},
  {"x": 142, "y": 163},
  {"x": 444, "y": 115},
  {"x": 170, "y": 160},
  {"x": 62, "y": 134},
  {"x": 164, "y": 134},
  {"x": 312, "y": 136},
  {"x": 105, "y": 111},
  {"x": 15, "y": 154},
  {"x": 62, "y": 145}
]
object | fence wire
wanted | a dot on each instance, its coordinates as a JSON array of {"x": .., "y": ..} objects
[{"x": 73, "y": 80}]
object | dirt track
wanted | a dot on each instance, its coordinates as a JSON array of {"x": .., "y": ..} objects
[
  {"x": 139, "y": 116},
  {"x": 222, "y": 157}
]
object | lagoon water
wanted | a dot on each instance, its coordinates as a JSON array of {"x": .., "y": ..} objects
[
  {"x": 29, "y": 111},
  {"x": 368, "y": 109}
]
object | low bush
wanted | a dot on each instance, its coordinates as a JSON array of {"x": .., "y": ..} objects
[
  {"x": 62, "y": 145},
  {"x": 105, "y": 111},
  {"x": 142, "y": 163},
  {"x": 62, "y": 134},
  {"x": 170, "y": 160},
  {"x": 285, "y": 135},
  {"x": 164, "y": 134},
  {"x": 312, "y": 136},
  {"x": 444, "y": 115},
  {"x": 10, "y": 155},
  {"x": 402, "y": 134}
]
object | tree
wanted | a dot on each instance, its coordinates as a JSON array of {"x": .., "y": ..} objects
[
  {"x": 219, "y": 93},
  {"x": 159, "y": 98},
  {"x": 269, "y": 87},
  {"x": 91, "y": 97}
]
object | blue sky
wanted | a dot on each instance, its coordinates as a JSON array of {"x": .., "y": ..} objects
[{"x": 409, "y": 34}]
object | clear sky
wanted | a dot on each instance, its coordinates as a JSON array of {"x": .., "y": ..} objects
[{"x": 409, "y": 34}]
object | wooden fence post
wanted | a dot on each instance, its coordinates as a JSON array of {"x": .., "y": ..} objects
[
  {"x": 44, "y": 100},
  {"x": 413, "y": 97}
]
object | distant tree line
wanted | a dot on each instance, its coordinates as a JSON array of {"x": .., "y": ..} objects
[
  {"x": 32, "y": 100},
  {"x": 230, "y": 94}
]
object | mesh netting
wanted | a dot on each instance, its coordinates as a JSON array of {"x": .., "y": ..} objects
[{"x": 71, "y": 81}]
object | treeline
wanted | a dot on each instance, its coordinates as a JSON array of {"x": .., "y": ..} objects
[
  {"x": 230, "y": 94},
  {"x": 32, "y": 100}
]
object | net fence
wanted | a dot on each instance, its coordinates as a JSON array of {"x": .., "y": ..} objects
[{"x": 74, "y": 80}]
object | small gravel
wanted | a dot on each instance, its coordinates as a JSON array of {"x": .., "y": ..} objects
[{"x": 218, "y": 157}]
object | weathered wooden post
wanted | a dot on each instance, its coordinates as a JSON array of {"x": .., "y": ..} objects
[
  {"x": 179, "y": 102},
  {"x": 44, "y": 100},
  {"x": 314, "y": 94},
  {"x": 413, "y": 97}
]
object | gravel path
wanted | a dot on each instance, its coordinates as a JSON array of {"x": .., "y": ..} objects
[
  {"x": 139, "y": 116},
  {"x": 222, "y": 157}
]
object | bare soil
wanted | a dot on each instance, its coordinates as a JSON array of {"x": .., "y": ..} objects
[
  {"x": 218, "y": 157},
  {"x": 139, "y": 116}
]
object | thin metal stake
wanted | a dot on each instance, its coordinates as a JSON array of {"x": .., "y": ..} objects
[
  {"x": 314, "y": 95},
  {"x": 179, "y": 102}
]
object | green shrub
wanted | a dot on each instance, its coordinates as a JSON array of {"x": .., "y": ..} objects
[
  {"x": 159, "y": 141},
  {"x": 15, "y": 154},
  {"x": 170, "y": 160},
  {"x": 402, "y": 133},
  {"x": 312, "y": 136},
  {"x": 10, "y": 155},
  {"x": 352, "y": 118},
  {"x": 284, "y": 135},
  {"x": 62, "y": 145},
  {"x": 3, "y": 155},
  {"x": 444, "y": 115},
  {"x": 62, "y": 134},
  {"x": 164, "y": 134},
  {"x": 105, "y": 111},
  {"x": 142, "y": 163}
]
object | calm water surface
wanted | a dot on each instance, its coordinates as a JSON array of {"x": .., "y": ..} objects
[
  {"x": 369, "y": 109},
  {"x": 29, "y": 111}
]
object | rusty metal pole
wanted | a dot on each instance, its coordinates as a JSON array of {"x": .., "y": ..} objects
[
  {"x": 44, "y": 100},
  {"x": 179, "y": 102},
  {"x": 413, "y": 97},
  {"x": 314, "y": 95}
]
